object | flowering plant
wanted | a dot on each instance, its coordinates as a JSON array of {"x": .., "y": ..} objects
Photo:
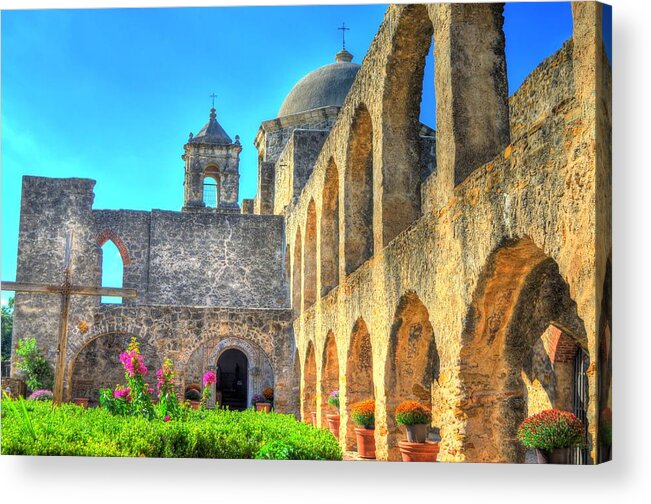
[
  {"x": 135, "y": 398},
  {"x": 41, "y": 395},
  {"x": 167, "y": 398},
  {"x": 333, "y": 399},
  {"x": 363, "y": 413},
  {"x": 413, "y": 413},
  {"x": 552, "y": 429},
  {"x": 258, "y": 398},
  {"x": 208, "y": 379},
  {"x": 268, "y": 394}
]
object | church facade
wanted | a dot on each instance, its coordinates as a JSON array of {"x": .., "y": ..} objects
[{"x": 467, "y": 268}]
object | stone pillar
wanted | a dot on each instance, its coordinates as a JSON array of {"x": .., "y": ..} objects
[
  {"x": 264, "y": 201},
  {"x": 193, "y": 183},
  {"x": 472, "y": 112},
  {"x": 247, "y": 206},
  {"x": 592, "y": 141}
]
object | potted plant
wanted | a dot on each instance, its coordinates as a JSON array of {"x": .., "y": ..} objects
[
  {"x": 416, "y": 418},
  {"x": 81, "y": 401},
  {"x": 261, "y": 403},
  {"x": 553, "y": 433},
  {"x": 333, "y": 419},
  {"x": 268, "y": 394},
  {"x": 363, "y": 415},
  {"x": 194, "y": 396}
]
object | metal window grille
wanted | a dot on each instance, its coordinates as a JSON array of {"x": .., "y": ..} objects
[
  {"x": 210, "y": 194},
  {"x": 580, "y": 456}
]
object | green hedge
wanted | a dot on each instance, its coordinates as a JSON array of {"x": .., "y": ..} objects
[{"x": 35, "y": 428}]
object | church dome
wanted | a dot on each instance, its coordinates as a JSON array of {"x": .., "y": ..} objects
[{"x": 327, "y": 86}]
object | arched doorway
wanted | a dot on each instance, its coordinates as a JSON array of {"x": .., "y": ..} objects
[{"x": 232, "y": 378}]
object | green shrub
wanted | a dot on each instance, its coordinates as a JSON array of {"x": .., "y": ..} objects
[
  {"x": 35, "y": 428},
  {"x": 38, "y": 371}
]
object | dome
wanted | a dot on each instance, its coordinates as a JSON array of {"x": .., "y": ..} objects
[{"x": 327, "y": 86}]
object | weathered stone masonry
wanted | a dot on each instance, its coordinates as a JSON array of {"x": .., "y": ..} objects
[
  {"x": 467, "y": 268},
  {"x": 203, "y": 278},
  {"x": 460, "y": 299}
]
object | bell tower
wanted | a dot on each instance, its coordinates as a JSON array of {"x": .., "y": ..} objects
[{"x": 212, "y": 169}]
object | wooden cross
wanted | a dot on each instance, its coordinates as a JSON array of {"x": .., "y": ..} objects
[
  {"x": 213, "y": 96},
  {"x": 66, "y": 289},
  {"x": 343, "y": 35}
]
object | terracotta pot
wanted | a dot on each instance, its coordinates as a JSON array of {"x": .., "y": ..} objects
[
  {"x": 365, "y": 442},
  {"x": 263, "y": 406},
  {"x": 416, "y": 433},
  {"x": 556, "y": 456},
  {"x": 419, "y": 452},
  {"x": 333, "y": 424},
  {"x": 195, "y": 404},
  {"x": 313, "y": 415},
  {"x": 81, "y": 401}
]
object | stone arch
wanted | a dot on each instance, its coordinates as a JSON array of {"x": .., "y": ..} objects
[
  {"x": 309, "y": 384},
  {"x": 401, "y": 101},
  {"x": 297, "y": 273},
  {"x": 96, "y": 364},
  {"x": 309, "y": 270},
  {"x": 548, "y": 372},
  {"x": 329, "y": 375},
  {"x": 295, "y": 406},
  {"x": 108, "y": 234},
  {"x": 358, "y": 192},
  {"x": 261, "y": 373},
  {"x": 329, "y": 258},
  {"x": 359, "y": 375},
  {"x": 211, "y": 184},
  {"x": 520, "y": 293},
  {"x": 412, "y": 364}
]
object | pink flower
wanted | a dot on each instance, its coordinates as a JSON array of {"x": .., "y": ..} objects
[
  {"x": 133, "y": 363},
  {"x": 167, "y": 418},
  {"x": 122, "y": 393},
  {"x": 209, "y": 378}
]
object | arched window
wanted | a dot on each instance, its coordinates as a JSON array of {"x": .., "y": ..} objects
[
  {"x": 211, "y": 191},
  {"x": 112, "y": 270}
]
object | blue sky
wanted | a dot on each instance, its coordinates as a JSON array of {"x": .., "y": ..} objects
[{"x": 111, "y": 94}]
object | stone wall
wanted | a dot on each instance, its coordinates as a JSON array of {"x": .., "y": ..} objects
[
  {"x": 202, "y": 279},
  {"x": 275, "y": 133},
  {"x": 49, "y": 209},
  {"x": 202, "y": 259},
  {"x": 500, "y": 250},
  {"x": 295, "y": 165},
  {"x": 192, "y": 337}
]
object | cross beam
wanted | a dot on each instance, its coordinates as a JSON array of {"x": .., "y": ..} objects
[
  {"x": 65, "y": 290},
  {"x": 72, "y": 289}
]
